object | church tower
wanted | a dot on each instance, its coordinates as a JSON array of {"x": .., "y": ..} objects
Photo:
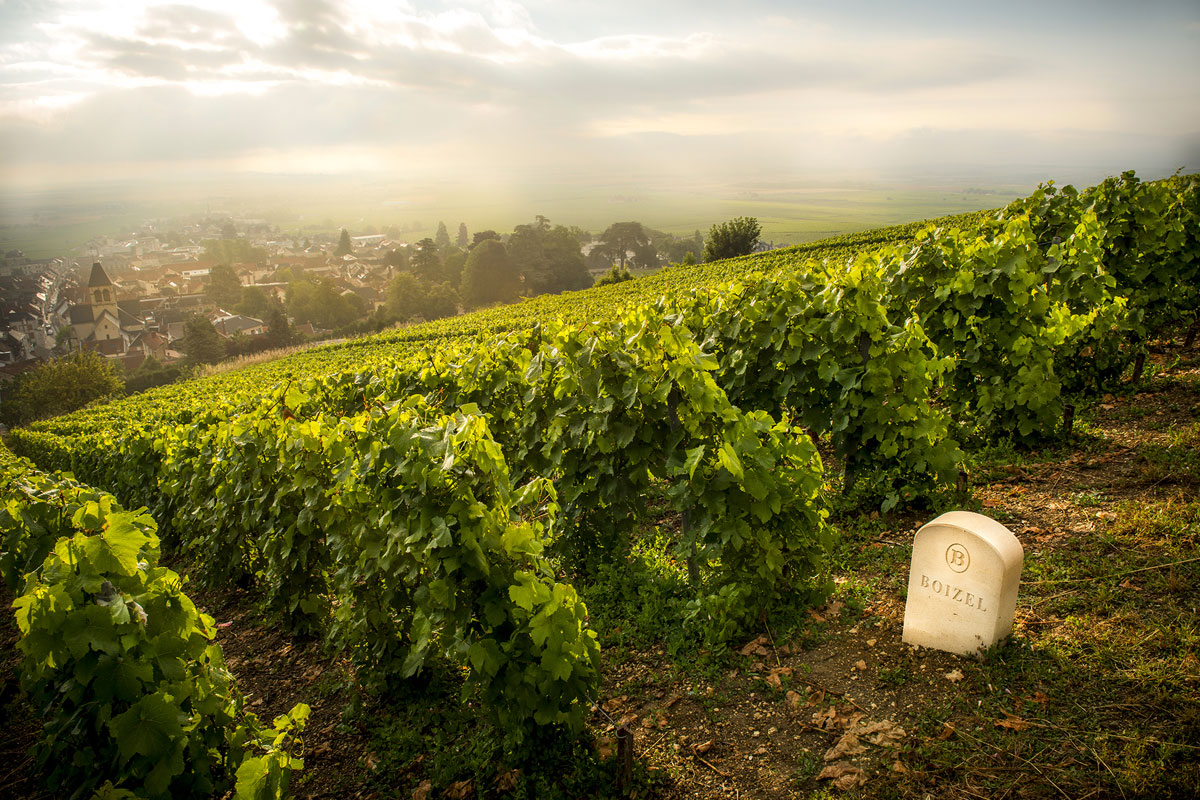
[{"x": 102, "y": 295}]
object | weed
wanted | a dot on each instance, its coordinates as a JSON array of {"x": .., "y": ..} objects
[{"x": 1087, "y": 499}]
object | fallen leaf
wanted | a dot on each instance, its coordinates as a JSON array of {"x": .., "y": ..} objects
[
  {"x": 774, "y": 679},
  {"x": 843, "y": 775},
  {"x": 460, "y": 790},
  {"x": 756, "y": 647},
  {"x": 703, "y": 748},
  {"x": 834, "y": 608},
  {"x": 793, "y": 698},
  {"x": 848, "y": 745},
  {"x": 507, "y": 781},
  {"x": 1012, "y": 722},
  {"x": 372, "y": 761},
  {"x": 826, "y": 720},
  {"x": 422, "y": 791},
  {"x": 615, "y": 703},
  {"x": 1039, "y": 697},
  {"x": 898, "y": 766},
  {"x": 883, "y": 734},
  {"x": 954, "y": 676},
  {"x": 947, "y": 732}
]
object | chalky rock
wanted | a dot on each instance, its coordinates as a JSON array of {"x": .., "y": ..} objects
[{"x": 962, "y": 587}]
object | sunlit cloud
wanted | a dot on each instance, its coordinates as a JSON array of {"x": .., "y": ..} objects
[{"x": 476, "y": 83}]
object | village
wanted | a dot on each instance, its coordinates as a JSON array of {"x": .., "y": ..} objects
[{"x": 131, "y": 299}]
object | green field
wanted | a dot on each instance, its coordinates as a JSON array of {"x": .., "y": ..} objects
[{"x": 59, "y": 223}]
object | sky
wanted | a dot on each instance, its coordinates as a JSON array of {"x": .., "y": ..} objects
[{"x": 498, "y": 91}]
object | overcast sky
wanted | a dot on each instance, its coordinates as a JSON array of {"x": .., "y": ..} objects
[{"x": 498, "y": 88}]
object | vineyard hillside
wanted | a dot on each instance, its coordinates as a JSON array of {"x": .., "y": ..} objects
[{"x": 649, "y": 539}]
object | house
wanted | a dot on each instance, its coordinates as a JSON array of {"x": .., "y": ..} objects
[{"x": 230, "y": 324}]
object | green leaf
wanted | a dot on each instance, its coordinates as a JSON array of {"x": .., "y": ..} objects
[
  {"x": 522, "y": 594},
  {"x": 120, "y": 544},
  {"x": 149, "y": 728},
  {"x": 728, "y": 458},
  {"x": 694, "y": 456}
]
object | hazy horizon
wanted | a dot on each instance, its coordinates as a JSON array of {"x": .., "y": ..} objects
[{"x": 536, "y": 103}]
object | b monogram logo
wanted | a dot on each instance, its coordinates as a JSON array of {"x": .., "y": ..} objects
[{"x": 957, "y": 557}]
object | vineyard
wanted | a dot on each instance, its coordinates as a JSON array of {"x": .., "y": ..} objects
[{"x": 460, "y": 514}]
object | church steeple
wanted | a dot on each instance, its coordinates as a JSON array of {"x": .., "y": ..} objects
[{"x": 102, "y": 295}]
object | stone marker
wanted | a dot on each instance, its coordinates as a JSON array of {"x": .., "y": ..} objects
[{"x": 962, "y": 588}]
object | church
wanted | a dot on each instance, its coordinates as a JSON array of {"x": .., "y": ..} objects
[{"x": 101, "y": 324}]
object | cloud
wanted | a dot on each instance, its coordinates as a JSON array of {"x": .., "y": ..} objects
[{"x": 482, "y": 80}]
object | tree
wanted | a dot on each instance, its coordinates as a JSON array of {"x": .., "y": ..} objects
[
  {"x": 323, "y": 304},
  {"x": 645, "y": 256},
  {"x": 233, "y": 251},
  {"x": 59, "y": 386},
  {"x": 549, "y": 259},
  {"x": 425, "y": 261},
  {"x": 224, "y": 286},
  {"x": 483, "y": 236},
  {"x": 397, "y": 258},
  {"x": 405, "y": 297},
  {"x": 462, "y": 240},
  {"x": 620, "y": 238},
  {"x": 731, "y": 239},
  {"x": 201, "y": 342},
  {"x": 614, "y": 275},
  {"x": 344, "y": 247},
  {"x": 254, "y": 303},
  {"x": 279, "y": 332},
  {"x": 62, "y": 339},
  {"x": 441, "y": 301},
  {"x": 442, "y": 237},
  {"x": 489, "y": 276},
  {"x": 452, "y": 267}
]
